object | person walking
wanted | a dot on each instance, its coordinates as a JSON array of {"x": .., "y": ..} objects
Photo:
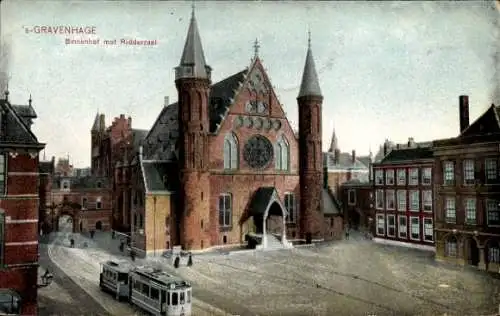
[{"x": 347, "y": 233}]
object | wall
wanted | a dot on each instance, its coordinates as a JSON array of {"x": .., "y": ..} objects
[
  {"x": 157, "y": 222},
  {"x": 21, "y": 204}
]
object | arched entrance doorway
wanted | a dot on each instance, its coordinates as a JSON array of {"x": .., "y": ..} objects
[
  {"x": 65, "y": 223},
  {"x": 472, "y": 252},
  {"x": 98, "y": 225},
  {"x": 269, "y": 219}
]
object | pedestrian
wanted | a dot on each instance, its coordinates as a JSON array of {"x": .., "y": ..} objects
[
  {"x": 92, "y": 232},
  {"x": 347, "y": 233}
]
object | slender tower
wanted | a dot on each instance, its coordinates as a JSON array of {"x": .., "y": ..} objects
[
  {"x": 310, "y": 101},
  {"x": 192, "y": 79}
]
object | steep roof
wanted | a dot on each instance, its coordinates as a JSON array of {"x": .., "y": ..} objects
[
  {"x": 97, "y": 123},
  {"x": 331, "y": 206},
  {"x": 161, "y": 141},
  {"x": 487, "y": 123},
  {"x": 160, "y": 176},
  {"x": 193, "y": 55},
  {"x": 343, "y": 162},
  {"x": 16, "y": 130},
  {"x": 310, "y": 82}
]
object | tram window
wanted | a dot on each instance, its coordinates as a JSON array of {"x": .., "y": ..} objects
[
  {"x": 163, "y": 296},
  {"x": 123, "y": 277},
  {"x": 145, "y": 289},
  {"x": 137, "y": 285},
  {"x": 175, "y": 299},
  {"x": 188, "y": 300},
  {"x": 155, "y": 293},
  {"x": 182, "y": 298},
  {"x": 168, "y": 298}
]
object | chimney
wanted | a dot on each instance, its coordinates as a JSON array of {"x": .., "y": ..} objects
[
  {"x": 411, "y": 142},
  {"x": 353, "y": 156},
  {"x": 122, "y": 116},
  {"x": 336, "y": 156},
  {"x": 386, "y": 148},
  {"x": 130, "y": 122},
  {"x": 463, "y": 112},
  {"x": 165, "y": 101}
]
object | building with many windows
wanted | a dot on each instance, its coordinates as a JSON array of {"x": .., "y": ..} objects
[
  {"x": 403, "y": 197},
  {"x": 226, "y": 164},
  {"x": 356, "y": 197},
  {"x": 467, "y": 191}
]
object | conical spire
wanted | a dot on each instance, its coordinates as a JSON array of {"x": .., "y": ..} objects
[
  {"x": 97, "y": 123},
  {"x": 193, "y": 64},
  {"x": 334, "y": 142},
  {"x": 310, "y": 83}
]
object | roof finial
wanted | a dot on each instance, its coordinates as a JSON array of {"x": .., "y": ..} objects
[
  {"x": 309, "y": 38},
  {"x": 192, "y": 10},
  {"x": 7, "y": 92},
  {"x": 30, "y": 100},
  {"x": 256, "y": 47}
]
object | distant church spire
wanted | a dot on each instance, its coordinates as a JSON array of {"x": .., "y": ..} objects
[
  {"x": 97, "y": 123},
  {"x": 193, "y": 64},
  {"x": 310, "y": 82},
  {"x": 334, "y": 142}
]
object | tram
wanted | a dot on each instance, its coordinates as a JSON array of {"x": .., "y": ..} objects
[{"x": 152, "y": 290}]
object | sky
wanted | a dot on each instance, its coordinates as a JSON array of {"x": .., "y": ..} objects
[{"x": 387, "y": 70}]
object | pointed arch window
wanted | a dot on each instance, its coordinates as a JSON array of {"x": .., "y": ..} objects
[
  {"x": 231, "y": 152},
  {"x": 282, "y": 154}
]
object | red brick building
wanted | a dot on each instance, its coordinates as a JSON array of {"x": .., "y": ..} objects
[
  {"x": 223, "y": 162},
  {"x": 113, "y": 148},
  {"x": 467, "y": 186},
  {"x": 19, "y": 178},
  {"x": 403, "y": 196},
  {"x": 357, "y": 203}
]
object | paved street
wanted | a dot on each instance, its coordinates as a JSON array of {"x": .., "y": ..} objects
[
  {"x": 81, "y": 265},
  {"x": 355, "y": 277},
  {"x": 63, "y": 296}
]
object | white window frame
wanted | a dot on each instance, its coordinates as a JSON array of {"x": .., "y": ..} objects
[
  {"x": 393, "y": 226},
  {"x": 222, "y": 216},
  {"x": 231, "y": 152},
  {"x": 389, "y": 176},
  {"x": 380, "y": 223},
  {"x": 414, "y": 195},
  {"x": 492, "y": 211},
  {"x": 402, "y": 200},
  {"x": 282, "y": 158},
  {"x": 450, "y": 209},
  {"x": 85, "y": 202},
  {"x": 427, "y": 201},
  {"x": 351, "y": 197},
  {"x": 427, "y": 176},
  {"x": 379, "y": 197},
  {"x": 3, "y": 174},
  {"x": 491, "y": 169},
  {"x": 98, "y": 203},
  {"x": 401, "y": 173},
  {"x": 379, "y": 177},
  {"x": 448, "y": 173},
  {"x": 468, "y": 171},
  {"x": 494, "y": 254},
  {"x": 428, "y": 221},
  {"x": 291, "y": 207},
  {"x": 390, "y": 196},
  {"x": 413, "y": 176},
  {"x": 470, "y": 210},
  {"x": 402, "y": 233},
  {"x": 65, "y": 185},
  {"x": 449, "y": 251},
  {"x": 411, "y": 228}
]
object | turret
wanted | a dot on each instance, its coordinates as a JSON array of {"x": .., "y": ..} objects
[
  {"x": 310, "y": 101},
  {"x": 193, "y": 87}
]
